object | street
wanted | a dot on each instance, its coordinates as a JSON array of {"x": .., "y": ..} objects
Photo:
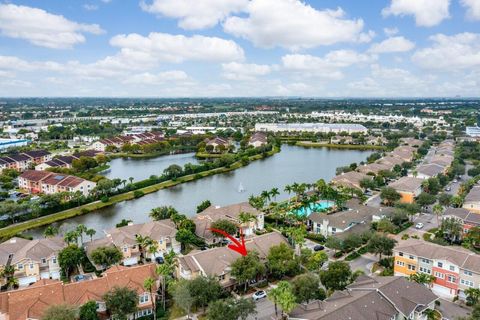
[
  {"x": 364, "y": 263},
  {"x": 265, "y": 310}
]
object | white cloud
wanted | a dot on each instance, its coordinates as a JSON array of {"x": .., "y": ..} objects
[
  {"x": 198, "y": 14},
  {"x": 448, "y": 53},
  {"x": 428, "y": 13},
  {"x": 393, "y": 44},
  {"x": 324, "y": 67},
  {"x": 390, "y": 31},
  {"x": 177, "y": 48},
  {"x": 42, "y": 28},
  {"x": 244, "y": 71},
  {"x": 159, "y": 78},
  {"x": 473, "y": 8},
  {"x": 90, "y": 7},
  {"x": 294, "y": 25}
]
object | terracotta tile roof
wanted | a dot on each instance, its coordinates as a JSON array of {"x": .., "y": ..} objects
[{"x": 35, "y": 175}]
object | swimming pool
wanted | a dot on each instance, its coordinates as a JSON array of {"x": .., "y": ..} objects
[{"x": 314, "y": 207}]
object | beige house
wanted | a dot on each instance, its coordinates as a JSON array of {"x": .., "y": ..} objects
[
  {"x": 408, "y": 187},
  {"x": 204, "y": 220},
  {"x": 32, "y": 259},
  {"x": 34, "y": 181},
  {"x": 161, "y": 232},
  {"x": 258, "y": 139},
  {"x": 216, "y": 262},
  {"x": 472, "y": 200},
  {"x": 350, "y": 179}
]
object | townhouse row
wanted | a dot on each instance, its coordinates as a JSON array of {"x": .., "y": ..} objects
[
  {"x": 120, "y": 141},
  {"x": 24, "y": 160},
  {"x": 34, "y": 181},
  {"x": 454, "y": 269},
  {"x": 66, "y": 161}
]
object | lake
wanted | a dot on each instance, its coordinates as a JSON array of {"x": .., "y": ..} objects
[{"x": 292, "y": 164}]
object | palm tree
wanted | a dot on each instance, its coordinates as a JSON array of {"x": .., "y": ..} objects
[
  {"x": 124, "y": 182},
  {"x": 297, "y": 234},
  {"x": 71, "y": 237},
  {"x": 274, "y": 193},
  {"x": 245, "y": 218},
  {"x": 143, "y": 243},
  {"x": 50, "y": 232},
  {"x": 131, "y": 180},
  {"x": 265, "y": 195},
  {"x": 149, "y": 285},
  {"x": 90, "y": 233},
  {"x": 438, "y": 210},
  {"x": 422, "y": 278},
  {"x": 81, "y": 228}
]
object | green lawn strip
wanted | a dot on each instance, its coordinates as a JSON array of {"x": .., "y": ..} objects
[
  {"x": 14, "y": 229},
  {"x": 309, "y": 144},
  {"x": 206, "y": 155}
]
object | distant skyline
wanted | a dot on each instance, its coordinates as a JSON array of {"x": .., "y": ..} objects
[{"x": 240, "y": 48}]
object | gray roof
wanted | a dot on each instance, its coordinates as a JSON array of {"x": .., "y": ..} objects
[
  {"x": 368, "y": 298},
  {"x": 155, "y": 230},
  {"x": 431, "y": 169},
  {"x": 29, "y": 249},
  {"x": 473, "y": 195},
  {"x": 463, "y": 214},
  {"x": 406, "y": 184}
]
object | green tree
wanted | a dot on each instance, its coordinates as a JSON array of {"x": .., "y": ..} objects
[
  {"x": 316, "y": 260},
  {"x": 247, "y": 268},
  {"x": 185, "y": 237},
  {"x": 425, "y": 199},
  {"x": 173, "y": 171},
  {"x": 204, "y": 290},
  {"x": 225, "y": 225},
  {"x": 182, "y": 296},
  {"x": 437, "y": 210},
  {"x": 69, "y": 259},
  {"x": 164, "y": 212},
  {"x": 50, "y": 232},
  {"x": 473, "y": 296},
  {"x": 149, "y": 286},
  {"x": 60, "y": 312},
  {"x": 204, "y": 205},
  {"x": 284, "y": 297},
  {"x": 389, "y": 195},
  {"x": 121, "y": 302},
  {"x": 381, "y": 245},
  {"x": 106, "y": 256},
  {"x": 452, "y": 229},
  {"x": 306, "y": 287},
  {"x": 231, "y": 309},
  {"x": 282, "y": 261},
  {"x": 337, "y": 276},
  {"x": 90, "y": 233},
  {"x": 333, "y": 243},
  {"x": 421, "y": 278},
  {"x": 88, "y": 311}
]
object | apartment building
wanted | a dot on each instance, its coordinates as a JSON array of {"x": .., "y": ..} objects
[
  {"x": 124, "y": 238},
  {"x": 216, "y": 262},
  {"x": 32, "y": 302},
  {"x": 311, "y": 127},
  {"x": 368, "y": 298},
  {"x": 38, "y": 156},
  {"x": 25, "y": 160},
  {"x": 32, "y": 259},
  {"x": 204, "y": 220},
  {"x": 34, "y": 181},
  {"x": 119, "y": 141},
  {"x": 66, "y": 161},
  {"x": 455, "y": 269}
]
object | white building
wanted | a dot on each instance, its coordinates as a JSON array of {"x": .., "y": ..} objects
[{"x": 311, "y": 127}]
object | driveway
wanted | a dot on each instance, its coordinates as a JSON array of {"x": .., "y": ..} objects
[
  {"x": 452, "y": 311},
  {"x": 265, "y": 310},
  {"x": 364, "y": 263}
]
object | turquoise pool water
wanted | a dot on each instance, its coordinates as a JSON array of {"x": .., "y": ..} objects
[{"x": 314, "y": 207}]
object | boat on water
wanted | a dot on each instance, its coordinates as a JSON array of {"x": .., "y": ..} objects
[{"x": 241, "y": 188}]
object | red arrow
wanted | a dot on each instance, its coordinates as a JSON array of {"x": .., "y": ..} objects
[{"x": 237, "y": 246}]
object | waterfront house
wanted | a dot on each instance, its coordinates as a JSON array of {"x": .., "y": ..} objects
[
  {"x": 341, "y": 139},
  {"x": 32, "y": 259},
  {"x": 204, "y": 220},
  {"x": 408, "y": 187},
  {"x": 32, "y": 302},
  {"x": 472, "y": 200},
  {"x": 258, "y": 139},
  {"x": 34, "y": 181},
  {"x": 125, "y": 239},
  {"x": 455, "y": 269},
  {"x": 217, "y": 144},
  {"x": 374, "y": 168},
  {"x": 368, "y": 298},
  {"x": 216, "y": 262},
  {"x": 350, "y": 179}
]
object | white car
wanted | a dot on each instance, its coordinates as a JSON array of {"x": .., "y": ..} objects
[
  {"x": 259, "y": 295},
  {"x": 419, "y": 225}
]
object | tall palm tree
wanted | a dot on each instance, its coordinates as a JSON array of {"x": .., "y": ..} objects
[
  {"x": 131, "y": 180},
  {"x": 265, "y": 195},
  {"x": 90, "y": 233},
  {"x": 149, "y": 285},
  {"x": 274, "y": 193},
  {"x": 81, "y": 228},
  {"x": 143, "y": 243},
  {"x": 71, "y": 237},
  {"x": 438, "y": 210},
  {"x": 50, "y": 232}
]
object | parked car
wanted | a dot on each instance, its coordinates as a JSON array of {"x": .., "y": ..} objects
[
  {"x": 448, "y": 188},
  {"x": 160, "y": 260},
  {"x": 318, "y": 248},
  {"x": 419, "y": 225},
  {"x": 259, "y": 295}
]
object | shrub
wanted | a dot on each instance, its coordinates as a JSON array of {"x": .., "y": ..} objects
[
  {"x": 427, "y": 236},
  {"x": 104, "y": 199},
  {"x": 405, "y": 236},
  {"x": 338, "y": 254},
  {"x": 138, "y": 194},
  {"x": 352, "y": 256},
  {"x": 363, "y": 250},
  {"x": 316, "y": 237}
]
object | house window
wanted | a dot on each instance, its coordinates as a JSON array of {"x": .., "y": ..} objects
[
  {"x": 54, "y": 260},
  {"x": 467, "y": 273},
  {"x": 144, "y": 298},
  {"x": 401, "y": 263},
  {"x": 439, "y": 275},
  {"x": 20, "y": 266},
  {"x": 125, "y": 249},
  {"x": 452, "y": 268},
  {"x": 31, "y": 266},
  {"x": 411, "y": 257},
  {"x": 400, "y": 254},
  {"x": 467, "y": 283},
  {"x": 44, "y": 260},
  {"x": 411, "y": 267},
  {"x": 440, "y": 265},
  {"x": 425, "y": 270},
  {"x": 425, "y": 261},
  {"x": 451, "y": 279},
  {"x": 221, "y": 277}
]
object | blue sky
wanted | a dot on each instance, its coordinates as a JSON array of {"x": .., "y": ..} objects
[{"x": 178, "y": 48}]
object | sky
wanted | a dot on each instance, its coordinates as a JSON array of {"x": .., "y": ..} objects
[{"x": 240, "y": 48}]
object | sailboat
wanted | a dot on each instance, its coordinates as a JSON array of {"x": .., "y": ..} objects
[{"x": 241, "y": 188}]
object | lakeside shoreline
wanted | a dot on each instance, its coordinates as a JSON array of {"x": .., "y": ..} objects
[{"x": 310, "y": 144}]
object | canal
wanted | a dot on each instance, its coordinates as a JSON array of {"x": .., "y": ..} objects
[{"x": 292, "y": 164}]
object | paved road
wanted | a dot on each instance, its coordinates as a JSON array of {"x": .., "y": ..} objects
[
  {"x": 452, "y": 311},
  {"x": 363, "y": 263},
  {"x": 265, "y": 310}
]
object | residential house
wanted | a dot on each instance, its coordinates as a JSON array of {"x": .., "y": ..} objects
[
  {"x": 218, "y": 144},
  {"x": 350, "y": 179},
  {"x": 124, "y": 238},
  {"x": 341, "y": 139},
  {"x": 120, "y": 141},
  {"x": 467, "y": 218},
  {"x": 429, "y": 170},
  {"x": 34, "y": 181},
  {"x": 406, "y": 153},
  {"x": 387, "y": 298},
  {"x": 472, "y": 200},
  {"x": 32, "y": 259},
  {"x": 412, "y": 142},
  {"x": 343, "y": 221},
  {"x": 455, "y": 269},
  {"x": 19, "y": 162},
  {"x": 204, "y": 220},
  {"x": 216, "y": 262},
  {"x": 38, "y": 156},
  {"x": 374, "y": 168},
  {"x": 66, "y": 161},
  {"x": 408, "y": 187},
  {"x": 32, "y": 302},
  {"x": 258, "y": 139}
]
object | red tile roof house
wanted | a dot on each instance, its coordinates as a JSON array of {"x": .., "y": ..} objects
[
  {"x": 38, "y": 156},
  {"x": 34, "y": 181},
  {"x": 19, "y": 162},
  {"x": 32, "y": 302},
  {"x": 258, "y": 139}
]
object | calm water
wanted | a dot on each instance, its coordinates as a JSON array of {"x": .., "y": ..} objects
[
  {"x": 141, "y": 169},
  {"x": 292, "y": 164}
]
